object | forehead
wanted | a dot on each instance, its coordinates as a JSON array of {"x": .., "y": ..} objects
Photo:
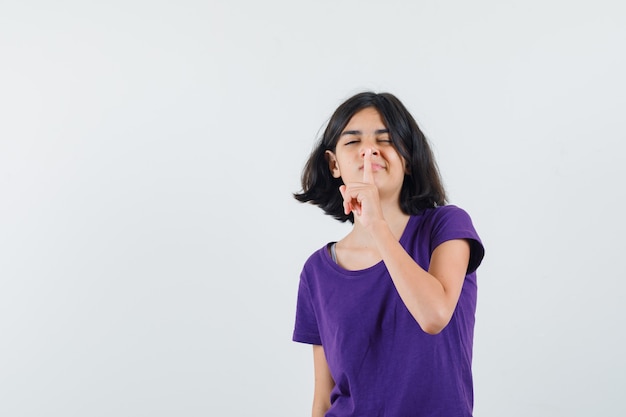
[{"x": 365, "y": 119}]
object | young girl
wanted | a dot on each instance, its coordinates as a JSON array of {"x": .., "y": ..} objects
[{"x": 389, "y": 309}]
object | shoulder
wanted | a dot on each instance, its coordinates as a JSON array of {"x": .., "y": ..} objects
[
  {"x": 317, "y": 260},
  {"x": 446, "y": 212},
  {"x": 452, "y": 222},
  {"x": 447, "y": 218},
  {"x": 318, "y": 255}
]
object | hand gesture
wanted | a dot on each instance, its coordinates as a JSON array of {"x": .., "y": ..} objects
[{"x": 361, "y": 198}]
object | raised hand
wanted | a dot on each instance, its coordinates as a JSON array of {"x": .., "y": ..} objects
[{"x": 361, "y": 198}]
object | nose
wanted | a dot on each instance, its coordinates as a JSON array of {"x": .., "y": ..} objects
[{"x": 372, "y": 148}]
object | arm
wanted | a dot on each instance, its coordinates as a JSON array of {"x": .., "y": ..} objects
[
  {"x": 323, "y": 383},
  {"x": 430, "y": 296}
]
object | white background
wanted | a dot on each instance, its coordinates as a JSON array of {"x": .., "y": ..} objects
[{"x": 149, "y": 245}]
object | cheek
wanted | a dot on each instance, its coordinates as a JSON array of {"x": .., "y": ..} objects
[
  {"x": 398, "y": 160},
  {"x": 402, "y": 162},
  {"x": 346, "y": 159}
]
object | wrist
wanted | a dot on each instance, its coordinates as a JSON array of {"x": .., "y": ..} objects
[{"x": 379, "y": 229}]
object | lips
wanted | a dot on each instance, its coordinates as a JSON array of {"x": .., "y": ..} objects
[{"x": 375, "y": 167}]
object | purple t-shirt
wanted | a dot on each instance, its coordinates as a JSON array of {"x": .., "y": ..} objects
[{"x": 382, "y": 362}]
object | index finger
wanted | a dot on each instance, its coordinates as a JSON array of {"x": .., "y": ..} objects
[{"x": 368, "y": 176}]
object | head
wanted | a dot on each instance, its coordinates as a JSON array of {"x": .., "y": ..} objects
[{"x": 422, "y": 186}]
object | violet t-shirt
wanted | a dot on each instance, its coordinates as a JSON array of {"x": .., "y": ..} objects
[{"x": 382, "y": 362}]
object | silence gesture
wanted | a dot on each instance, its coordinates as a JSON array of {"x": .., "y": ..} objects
[{"x": 362, "y": 198}]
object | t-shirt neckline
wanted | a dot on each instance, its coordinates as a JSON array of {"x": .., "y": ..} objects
[{"x": 381, "y": 264}]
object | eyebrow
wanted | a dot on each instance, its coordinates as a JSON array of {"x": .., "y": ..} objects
[{"x": 358, "y": 132}]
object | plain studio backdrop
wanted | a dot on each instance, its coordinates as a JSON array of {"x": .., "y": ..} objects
[{"x": 150, "y": 248}]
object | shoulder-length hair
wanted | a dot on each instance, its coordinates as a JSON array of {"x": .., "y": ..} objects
[{"x": 422, "y": 187}]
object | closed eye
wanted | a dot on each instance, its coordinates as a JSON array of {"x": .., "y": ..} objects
[{"x": 351, "y": 142}]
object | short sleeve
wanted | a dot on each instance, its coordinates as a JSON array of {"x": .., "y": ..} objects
[
  {"x": 451, "y": 223},
  {"x": 305, "y": 328}
]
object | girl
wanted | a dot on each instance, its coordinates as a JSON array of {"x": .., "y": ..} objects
[{"x": 389, "y": 309}]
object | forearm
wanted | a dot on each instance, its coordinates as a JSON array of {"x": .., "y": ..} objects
[
  {"x": 321, "y": 399},
  {"x": 423, "y": 294},
  {"x": 324, "y": 383},
  {"x": 319, "y": 409}
]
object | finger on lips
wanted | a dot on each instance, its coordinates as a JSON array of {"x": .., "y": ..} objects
[{"x": 368, "y": 177}]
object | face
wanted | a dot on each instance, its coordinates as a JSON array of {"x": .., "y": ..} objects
[{"x": 366, "y": 130}]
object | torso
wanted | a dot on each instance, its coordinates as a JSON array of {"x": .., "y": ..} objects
[{"x": 382, "y": 363}]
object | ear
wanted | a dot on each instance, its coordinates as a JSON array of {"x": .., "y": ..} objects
[{"x": 332, "y": 164}]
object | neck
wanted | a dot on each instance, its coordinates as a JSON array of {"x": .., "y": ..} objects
[{"x": 394, "y": 216}]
